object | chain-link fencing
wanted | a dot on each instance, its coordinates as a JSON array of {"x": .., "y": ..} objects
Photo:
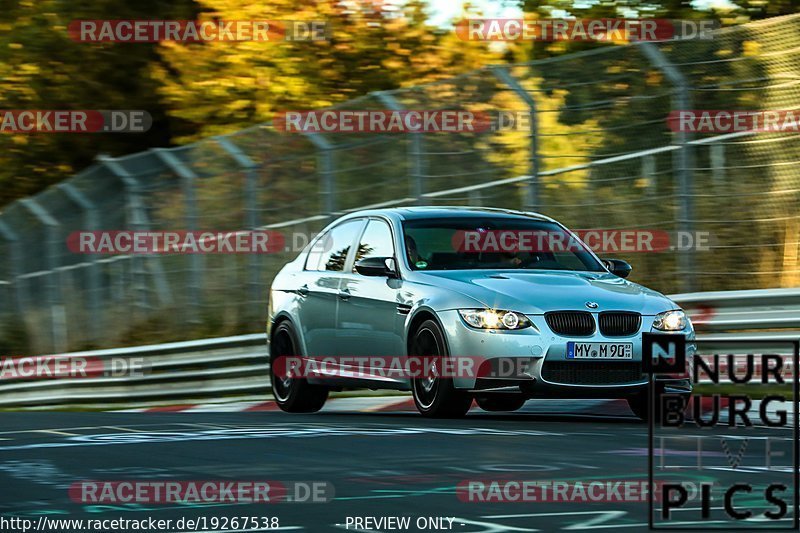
[{"x": 594, "y": 152}]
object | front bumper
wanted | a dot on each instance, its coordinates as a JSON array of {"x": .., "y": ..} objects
[{"x": 543, "y": 367}]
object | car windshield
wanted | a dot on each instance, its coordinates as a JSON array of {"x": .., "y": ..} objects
[{"x": 465, "y": 243}]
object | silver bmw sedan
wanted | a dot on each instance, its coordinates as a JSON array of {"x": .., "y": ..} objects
[{"x": 458, "y": 304}]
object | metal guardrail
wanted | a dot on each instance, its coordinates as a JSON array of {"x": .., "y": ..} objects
[
  {"x": 176, "y": 371},
  {"x": 238, "y": 365},
  {"x": 754, "y": 315},
  {"x": 743, "y": 310}
]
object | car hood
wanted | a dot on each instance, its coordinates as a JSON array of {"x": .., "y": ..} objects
[{"x": 536, "y": 292}]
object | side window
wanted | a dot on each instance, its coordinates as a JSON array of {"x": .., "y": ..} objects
[
  {"x": 330, "y": 252},
  {"x": 376, "y": 241},
  {"x": 320, "y": 245}
]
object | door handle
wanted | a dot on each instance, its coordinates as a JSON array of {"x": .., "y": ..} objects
[
  {"x": 303, "y": 290},
  {"x": 344, "y": 294}
]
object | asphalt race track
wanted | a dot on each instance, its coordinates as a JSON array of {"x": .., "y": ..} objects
[{"x": 386, "y": 464}]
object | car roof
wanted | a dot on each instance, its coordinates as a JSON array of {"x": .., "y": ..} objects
[{"x": 428, "y": 212}]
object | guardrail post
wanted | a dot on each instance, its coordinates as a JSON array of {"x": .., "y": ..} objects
[
  {"x": 250, "y": 169},
  {"x": 683, "y": 159},
  {"x": 55, "y": 300},
  {"x": 531, "y": 199},
  {"x": 325, "y": 171},
  {"x": 93, "y": 271},
  {"x": 188, "y": 179},
  {"x": 416, "y": 161}
]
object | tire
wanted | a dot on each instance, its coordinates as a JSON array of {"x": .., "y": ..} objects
[
  {"x": 500, "y": 402},
  {"x": 293, "y": 395},
  {"x": 639, "y": 405},
  {"x": 436, "y": 397}
]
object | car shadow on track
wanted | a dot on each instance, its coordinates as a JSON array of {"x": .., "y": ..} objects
[{"x": 488, "y": 417}]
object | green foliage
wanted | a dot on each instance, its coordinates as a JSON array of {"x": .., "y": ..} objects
[
  {"x": 42, "y": 68},
  {"x": 223, "y": 86}
]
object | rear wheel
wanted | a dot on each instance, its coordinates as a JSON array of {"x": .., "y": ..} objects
[
  {"x": 500, "y": 402},
  {"x": 436, "y": 397},
  {"x": 292, "y": 394}
]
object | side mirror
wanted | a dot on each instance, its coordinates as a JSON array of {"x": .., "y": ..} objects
[
  {"x": 377, "y": 266},
  {"x": 618, "y": 267}
]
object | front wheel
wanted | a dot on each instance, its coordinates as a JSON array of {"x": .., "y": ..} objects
[
  {"x": 436, "y": 396},
  {"x": 500, "y": 402},
  {"x": 292, "y": 394},
  {"x": 639, "y": 404}
]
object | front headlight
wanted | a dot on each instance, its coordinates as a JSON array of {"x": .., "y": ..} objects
[
  {"x": 494, "y": 319},
  {"x": 671, "y": 321}
]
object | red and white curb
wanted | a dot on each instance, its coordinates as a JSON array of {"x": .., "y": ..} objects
[
  {"x": 396, "y": 404},
  {"x": 405, "y": 404}
]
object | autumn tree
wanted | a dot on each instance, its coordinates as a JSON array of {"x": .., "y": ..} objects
[
  {"x": 222, "y": 86},
  {"x": 43, "y": 69}
]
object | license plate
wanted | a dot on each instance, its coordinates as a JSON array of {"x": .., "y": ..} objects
[{"x": 599, "y": 350}]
